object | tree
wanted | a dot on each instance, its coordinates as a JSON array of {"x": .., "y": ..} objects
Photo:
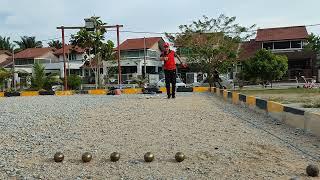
[
  {"x": 5, "y": 44},
  {"x": 265, "y": 67},
  {"x": 28, "y": 42},
  {"x": 55, "y": 43},
  {"x": 39, "y": 78},
  {"x": 313, "y": 45},
  {"x": 209, "y": 43},
  {"x": 93, "y": 42}
]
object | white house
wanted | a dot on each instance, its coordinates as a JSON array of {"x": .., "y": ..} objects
[{"x": 135, "y": 54}]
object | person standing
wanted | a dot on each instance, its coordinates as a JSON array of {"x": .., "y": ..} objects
[{"x": 169, "y": 69}]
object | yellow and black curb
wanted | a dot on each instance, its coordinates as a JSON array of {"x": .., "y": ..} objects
[
  {"x": 298, "y": 118},
  {"x": 94, "y": 92}
]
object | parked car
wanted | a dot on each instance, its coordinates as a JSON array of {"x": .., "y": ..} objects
[
  {"x": 57, "y": 87},
  {"x": 225, "y": 82},
  {"x": 179, "y": 83}
]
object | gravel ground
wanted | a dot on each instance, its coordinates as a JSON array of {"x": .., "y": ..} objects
[{"x": 221, "y": 141}]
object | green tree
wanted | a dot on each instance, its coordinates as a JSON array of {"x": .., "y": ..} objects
[
  {"x": 5, "y": 44},
  {"x": 74, "y": 81},
  {"x": 265, "y": 67},
  {"x": 55, "y": 43},
  {"x": 28, "y": 42},
  {"x": 210, "y": 42},
  {"x": 38, "y": 79},
  {"x": 313, "y": 45},
  {"x": 93, "y": 42}
]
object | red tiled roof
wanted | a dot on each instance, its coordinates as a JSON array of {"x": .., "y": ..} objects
[
  {"x": 67, "y": 48},
  {"x": 6, "y": 63},
  {"x": 5, "y": 52},
  {"x": 32, "y": 53},
  {"x": 248, "y": 49},
  {"x": 282, "y": 33},
  {"x": 139, "y": 43}
]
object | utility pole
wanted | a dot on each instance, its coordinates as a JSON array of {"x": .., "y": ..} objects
[
  {"x": 118, "y": 55},
  {"x": 13, "y": 67},
  {"x": 145, "y": 65},
  {"x": 65, "y": 83}
]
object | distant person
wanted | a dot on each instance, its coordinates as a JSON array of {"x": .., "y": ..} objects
[{"x": 170, "y": 69}]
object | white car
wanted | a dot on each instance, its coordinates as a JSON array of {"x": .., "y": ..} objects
[
  {"x": 179, "y": 83},
  {"x": 226, "y": 83}
]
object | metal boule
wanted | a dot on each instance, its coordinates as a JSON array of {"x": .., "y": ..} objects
[
  {"x": 148, "y": 157},
  {"x": 86, "y": 157},
  {"x": 312, "y": 170},
  {"x": 115, "y": 156},
  {"x": 58, "y": 157},
  {"x": 179, "y": 156}
]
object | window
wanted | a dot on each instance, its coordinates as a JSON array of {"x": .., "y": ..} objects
[
  {"x": 23, "y": 61},
  {"x": 152, "y": 53},
  {"x": 268, "y": 45},
  {"x": 282, "y": 45},
  {"x": 41, "y": 61},
  {"x": 129, "y": 54},
  {"x": 296, "y": 44},
  {"x": 72, "y": 56}
]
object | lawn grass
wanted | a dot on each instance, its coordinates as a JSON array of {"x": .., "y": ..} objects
[
  {"x": 280, "y": 91},
  {"x": 308, "y": 98}
]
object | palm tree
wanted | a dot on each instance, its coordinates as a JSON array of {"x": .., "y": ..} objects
[
  {"x": 5, "y": 43},
  {"x": 56, "y": 44},
  {"x": 38, "y": 79},
  {"x": 28, "y": 42}
]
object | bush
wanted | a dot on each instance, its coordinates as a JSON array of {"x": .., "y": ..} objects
[{"x": 74, "y": 81}]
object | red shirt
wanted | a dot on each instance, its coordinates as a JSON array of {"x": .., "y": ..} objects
[{"x": 170, "y": 64}]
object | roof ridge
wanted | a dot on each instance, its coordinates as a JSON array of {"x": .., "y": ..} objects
[
  {"x": 284, "y": 27},
  {"x": 142, "y": 38}
]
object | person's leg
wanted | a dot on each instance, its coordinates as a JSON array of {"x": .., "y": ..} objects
[
  {"x": 173, "y": 81},
  {"x": 167, "y": 80}
]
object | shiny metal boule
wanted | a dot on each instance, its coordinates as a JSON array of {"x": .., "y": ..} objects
[
  {"x": 179, "y": 156},
  {"x": 148, "y": 157},
  {"x": 312, "y": 170},
  {"x": 114, "y": 156},
  {"x": 58, "y": 157},
  {"x": 86, "y": 157}
]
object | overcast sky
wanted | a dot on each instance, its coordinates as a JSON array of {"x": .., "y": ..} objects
[{"x": 41, "y": 17}]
